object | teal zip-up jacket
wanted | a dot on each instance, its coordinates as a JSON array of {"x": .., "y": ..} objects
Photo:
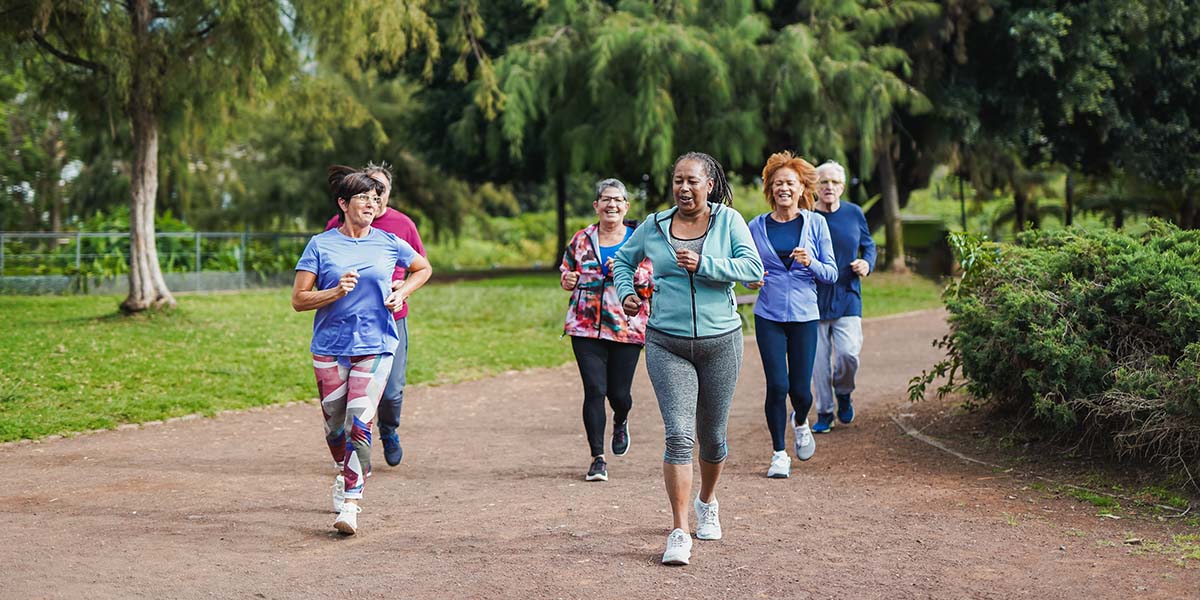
[{"x": 685, "y": 304}]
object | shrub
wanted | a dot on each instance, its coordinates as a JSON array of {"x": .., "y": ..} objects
[{"x": 1097, "y": 333}]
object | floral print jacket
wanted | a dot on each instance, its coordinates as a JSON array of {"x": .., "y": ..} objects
[{"x": 595, "y": 310}]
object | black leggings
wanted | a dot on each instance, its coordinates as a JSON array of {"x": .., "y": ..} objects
[{"x": 607, "y": 369}]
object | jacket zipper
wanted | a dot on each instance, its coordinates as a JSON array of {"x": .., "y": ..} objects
[
  {"x": 691, "y": 276},
  {"x": 603, "y": 285}
]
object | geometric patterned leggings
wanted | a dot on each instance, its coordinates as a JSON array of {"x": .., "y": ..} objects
[{"x": 349, "y": 388}]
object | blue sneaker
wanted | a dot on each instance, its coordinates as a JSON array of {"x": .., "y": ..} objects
[
  {"x": 824, "y": 423},
  {"x": 392, "y": 452},
  {"x": 845, "y": 412}
]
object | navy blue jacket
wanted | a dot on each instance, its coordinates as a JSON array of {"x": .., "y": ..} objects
[{"x": 851, "y": 240}]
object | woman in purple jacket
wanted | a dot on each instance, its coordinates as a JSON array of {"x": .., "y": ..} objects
[{"x": 797, "y": 252}]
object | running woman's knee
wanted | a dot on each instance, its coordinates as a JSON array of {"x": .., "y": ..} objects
[
  {"x": 679, "y": 450},
  {"x": 713, "y": 453},
  {"x": 778, "y": 386}
]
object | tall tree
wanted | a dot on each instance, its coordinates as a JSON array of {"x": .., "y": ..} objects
[
  {"x": 623, "y": 90},
  {"x": 837, "y": 62},
  {"x": 160, "y": 63}
]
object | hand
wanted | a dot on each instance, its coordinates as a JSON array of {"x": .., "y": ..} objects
[
  {"x": 800, "y": 254},
  {"x": 860, "y": 267},
  {"x": 347, "y": 282},
  {"x": 754, "y": 285},
  {"x": 632, "y": 305},
  {"x": 569, "y": 280},
  {"x": 687, "y": 260},
  {"x": 609, "y": 264},
  {"x": 395, "y": 300}
]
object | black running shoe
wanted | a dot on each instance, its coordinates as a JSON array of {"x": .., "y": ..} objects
[
  {"x": 620, "y": 441},
  {"x": 599, "y": 470}
]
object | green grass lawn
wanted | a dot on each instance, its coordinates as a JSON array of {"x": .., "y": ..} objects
[{"x": 69, "y": 363}]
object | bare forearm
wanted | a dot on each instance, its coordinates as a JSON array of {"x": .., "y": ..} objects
[
  {"x": 414, "y": 280},
  {"x": 314, "y": 299}
]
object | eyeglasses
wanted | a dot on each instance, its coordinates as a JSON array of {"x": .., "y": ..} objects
[
  {"x": 610, "y": 199},
  {"x": 831, "y": 182},
  {"x": 368, "y": 199}
]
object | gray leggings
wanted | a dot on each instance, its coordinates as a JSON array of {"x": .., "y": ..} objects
[{"x": 694, "y": 380}]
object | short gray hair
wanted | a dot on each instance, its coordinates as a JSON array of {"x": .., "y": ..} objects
[
  {"x": 611, "y": 182},
  {"x": 833, "y": 164}
]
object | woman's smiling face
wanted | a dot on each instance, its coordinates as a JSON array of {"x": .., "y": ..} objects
[
  {"x": 786, "y": 188},
  {"x": 691, "y": 186},
  {"x": 611, "y": 206}
]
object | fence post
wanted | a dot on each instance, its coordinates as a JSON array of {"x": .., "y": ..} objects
[
  {"x": 1, "y": 254},
  {"x": 242, "y": 257},
  {"x": 196, "y": 265},
  {"x": 78, "y": 251}
]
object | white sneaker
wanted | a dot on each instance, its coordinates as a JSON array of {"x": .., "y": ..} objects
[
  {"x": 347, "y": 519},
  {"x": 708, "y": 524},
  {"x": 805, "y": 444},
  {"x": 781, "y": 465},
  {"x": 339, "y": 493},
  {"x": 679, "y": 548}
]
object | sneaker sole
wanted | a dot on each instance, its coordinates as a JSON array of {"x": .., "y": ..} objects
[
  {"x": 676, "y": 562},
  {"x": 708, "y": 537},
  {"x": 777, "y": 475},
  {"x": 601, "y": 477},
  {"x": 344, "y": 527}
]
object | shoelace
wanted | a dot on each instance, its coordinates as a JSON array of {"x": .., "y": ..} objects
[
  {"x": 805, "y": 437},
  {"x": 710, "y": 515},
  {"x": 676, "y": 540}
]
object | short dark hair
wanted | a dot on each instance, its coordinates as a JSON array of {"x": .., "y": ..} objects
[{"x": 347, "y": 182}]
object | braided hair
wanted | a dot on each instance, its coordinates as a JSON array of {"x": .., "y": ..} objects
[{"x": 721, "y": 193}]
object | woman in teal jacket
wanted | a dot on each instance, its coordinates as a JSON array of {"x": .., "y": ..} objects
[{"x": 698, "y": 249}]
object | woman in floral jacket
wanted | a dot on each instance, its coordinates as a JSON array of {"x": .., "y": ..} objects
[{"x": 607, "y": 343}]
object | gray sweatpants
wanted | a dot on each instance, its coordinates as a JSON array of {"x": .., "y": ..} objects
[
  {"x": 694, "y": 380},
  {"x": 839, "y": 342}
]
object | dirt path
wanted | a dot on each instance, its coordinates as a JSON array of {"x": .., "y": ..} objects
[{"x": 490, "y": 503}]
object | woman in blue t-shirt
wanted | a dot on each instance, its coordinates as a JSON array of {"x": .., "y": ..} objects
[{"x": 345, "y": 274}]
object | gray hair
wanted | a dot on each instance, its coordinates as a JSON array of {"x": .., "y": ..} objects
[
  {"x": 833, "y": 164},
  {"x": 611, "y": 182}
]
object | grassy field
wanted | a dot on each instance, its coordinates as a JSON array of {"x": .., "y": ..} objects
[{"x": 69, "y": 363}]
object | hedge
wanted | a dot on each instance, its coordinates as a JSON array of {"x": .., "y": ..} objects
[{"x": 1097, "y": 333}]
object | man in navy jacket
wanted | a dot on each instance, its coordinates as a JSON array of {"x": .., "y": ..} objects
[{"x": 839, "y": 333}]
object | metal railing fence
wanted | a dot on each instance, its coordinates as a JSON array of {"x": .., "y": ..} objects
[{"x": 83, "y": 262}]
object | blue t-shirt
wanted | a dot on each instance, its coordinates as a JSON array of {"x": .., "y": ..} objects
[
  {"x": 607, "y": 252},
  {"x": 785, "y": 237},
  {"x": 357, "y": 323}
]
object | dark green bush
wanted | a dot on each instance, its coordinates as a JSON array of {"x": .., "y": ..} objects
[{"x": 1097, "y": 333}]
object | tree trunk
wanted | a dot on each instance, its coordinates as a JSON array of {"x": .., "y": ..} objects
[
  {"x": 893, "y": 228},
  {"x": 147, "y": 289},
  {"x": 560, "y": 208},
  {"x": 1187, "y": 213},
  {"x": 1020, "y": 208},
  {"x": 1069, "y": 201}
]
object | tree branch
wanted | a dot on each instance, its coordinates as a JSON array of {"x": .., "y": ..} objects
[{"x": 69, "y": 58}]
